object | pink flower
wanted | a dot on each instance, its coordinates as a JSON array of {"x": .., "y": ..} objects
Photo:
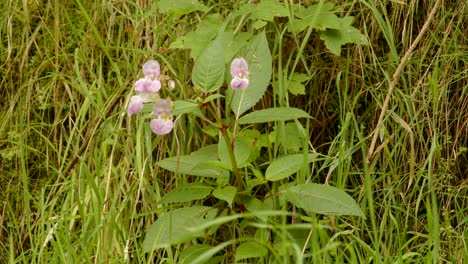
[
  {"x": 239, "y": 73},
  {"x": 162, "y": 107},
  {"x": 151, "y": 69},
  {"x": 135, "y": 105},
  {"x": 147, "y": 85},
  {"x": 239, "y": 68},
  {"x": 161, "y": 126},
  {"x": 239, "y": 83}
]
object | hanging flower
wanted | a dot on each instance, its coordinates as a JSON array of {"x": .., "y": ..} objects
[
  {"x": 240, "y": 74},
  {"x": 151, "y": 69},
  {"x": 147, "y": 85},
  {"x": 135, "y": 105},
  {"x": 161, "y": 126}
]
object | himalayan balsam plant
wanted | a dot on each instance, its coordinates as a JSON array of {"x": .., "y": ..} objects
[{"x": 234, "y": 171}]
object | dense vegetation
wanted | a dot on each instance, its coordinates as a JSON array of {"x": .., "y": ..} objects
[{"x": 80, "y": 181}]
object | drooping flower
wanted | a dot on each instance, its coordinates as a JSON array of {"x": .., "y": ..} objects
[
  {"x": 240, "y": 74},
  {"x": 147, "y": 85},
  {"x": 238, "y": 83},
  {"x": 135, "y": 105},
  {"x": 161, "y": 126},
  {"x": 151, "y": 69},
  {"x": 162, "y": 107}
]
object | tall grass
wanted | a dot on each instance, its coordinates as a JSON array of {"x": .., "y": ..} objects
[{"x": 78, "y": 178}]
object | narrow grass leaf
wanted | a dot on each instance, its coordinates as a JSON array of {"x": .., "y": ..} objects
[
  {"x": 273, "y": 114},
  {"x": 323, "y": 199}
]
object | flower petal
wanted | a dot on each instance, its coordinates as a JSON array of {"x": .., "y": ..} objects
[
  {"x": 239, "y": 67},
  {"x": 238, "y": 83},
  {"x": 151, "y": 69},
  {"x": 162, "y": 107},
  {"x": 161, "y": 126},
  {"x": 135, "y": 105},
  {"x": 147, "y": 85}
]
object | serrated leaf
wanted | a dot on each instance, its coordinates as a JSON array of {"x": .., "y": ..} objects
[
  {"x": 198, "y": 40},
  {"x": 226, "y": 194},
  {"x": 296, "y": 88},
  {"x": 322, "y": 199},
  {"x": 269, "y": 9},
  {"x": 250, "y": 250},
  {"x": 273, "y": 114},
  {"x": 286, "y": 166},
  {"x": 260, "y": 66},
  {"x": 334, "y": 39},
  {"x": 175, "y": 227},
  {"x": 186, "y": 193},
  {"x": 181, "y": 7},
  {"x": 208, "y": 71}
]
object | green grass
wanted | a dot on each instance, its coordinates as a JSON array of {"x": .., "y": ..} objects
[{"x": 78, "y": 178}]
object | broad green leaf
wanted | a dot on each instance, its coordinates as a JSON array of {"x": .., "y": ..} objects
[
  {"x": 198, "y": 40},
  {"x": 192, "y": 164},
  {"x": 181, "y": 7},
  {"x": 273, "y": 114},
  {"x": 296, "y": 88},
  {"x": 335, "y": 38},
  {"x": 250, "y": 250},
  {"x": 242, "y": 150},
  {"x": 269, "y": 9},
  {"x": 212, "y": 169},
  {"x": 322, "y": 199},
  {"x": 192, "y": 252},
  {"x": 319, "y": 16},
  {"x": 175, "y": 227},
  {"x": 258, "y": 57},
  {"x": 208, "y": 71},
  {"x": 286, "y": 166},
  {"x": 184, "y": 107},
  {"x": 226, "y": 194},
  {"x": 186, "y": 193}
]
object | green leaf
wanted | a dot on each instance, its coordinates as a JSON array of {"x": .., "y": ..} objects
[
  {"x": 184, "y": 107},
  {"x": 269, "y": 9},
  {"x": 250, "y": 250},
  {"x": 273, "y": 114},
  {"x": 198, "y": 40},
  {"x": 260, "y": 66},
  {"x": 242, "y": 150},
  {"x": 296, "y": 88},
  {"x": 192, "y": 252},
  {"x": 208, "y": 71},
  {"x": 335, "y": 38},
  {"x": 186, "y": 193},
  {"x": 286, "y": 166},
  {"x": 323, "y": 199},
  {"x": 181, "y": 7},
  {"x": 193, "y": 164},
  {"x": 226, "y": 194},
  {"x": 175, "y": 227}
]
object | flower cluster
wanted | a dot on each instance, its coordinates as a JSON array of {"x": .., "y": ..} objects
[
  {"x": 240, "y": 74},
  {"x": 148, "y": 91}
]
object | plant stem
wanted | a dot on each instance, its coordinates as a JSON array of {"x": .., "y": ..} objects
[{"x": 230, "y": 146}]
